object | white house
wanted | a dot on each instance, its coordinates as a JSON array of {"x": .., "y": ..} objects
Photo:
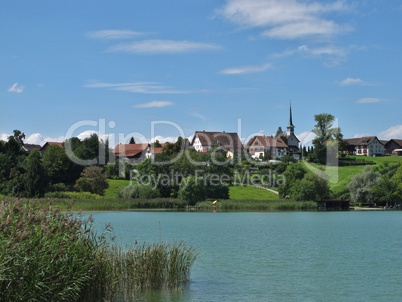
[
  {"x": 369, "y": 146},
  {"x": 204, "y": 141},
  {"x": 262, "y": 145}
]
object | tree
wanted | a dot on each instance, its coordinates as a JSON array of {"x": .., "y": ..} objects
[
  {"x": 328, "y": 137},
  {"x": 57, "y": 164},
  {"x": 387, "y": 191},
  {"x": 132, "y": 141},
  {"x": 279, "y": 132},
  {"x": 92, "y": 180},
  {"x": 361, "y": 186},
  {"x": 35, "y": 176},
  {"x": 157, "y": 144},
  {"x": 192, "y": 189}
]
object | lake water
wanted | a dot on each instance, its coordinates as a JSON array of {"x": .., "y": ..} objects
[{"x": 277, "y": 256}]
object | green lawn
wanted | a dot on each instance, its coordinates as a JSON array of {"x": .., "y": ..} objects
[
  {"x": 114, "y": 187},
  {"x": 339, "y": 177},
  {"x": 251, "y": 193}
]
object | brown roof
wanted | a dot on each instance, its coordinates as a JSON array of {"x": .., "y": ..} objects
[
  {"x": 227, "y": 140},
  {"x": 156, "y": 150},
  {"x": 129, "y": 150},
  {"x": 268, "y": 141},
  {"x": 397, "y": 141},
  {"x": 360, "y": 141},
  {"x": 30, "y": 147}
]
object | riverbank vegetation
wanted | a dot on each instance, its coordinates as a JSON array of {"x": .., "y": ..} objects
[
  {"x": 46, "y": 255},
  {"x": 179, "y": 176}
]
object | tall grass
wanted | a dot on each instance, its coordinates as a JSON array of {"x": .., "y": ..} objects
[
  {"x": 261, "y": 205},
  {"x": 46, "y": 255}
]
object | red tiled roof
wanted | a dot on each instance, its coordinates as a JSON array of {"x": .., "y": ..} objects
[
  {"x": 268, "y": 141},
  {"x": 129, "y": 150},
  {"x": 156, "y": 150}
]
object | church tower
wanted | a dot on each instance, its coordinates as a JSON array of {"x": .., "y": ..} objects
[{"x": 291, "y": 127}]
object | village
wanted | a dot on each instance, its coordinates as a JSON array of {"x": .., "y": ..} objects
[{"x": 257, "y": 147}]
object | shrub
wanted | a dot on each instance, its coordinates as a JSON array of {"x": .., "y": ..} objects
[
  {"x": 139, "y": 191},
  {"x": 92, "y": 180},
  {"x": 72, "y": 195}
]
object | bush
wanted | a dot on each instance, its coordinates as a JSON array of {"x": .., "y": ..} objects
[
  {"x": 92, "y": 180},
  {"x": 139, "y": 191},
  {"x": 72, "y": 195}
]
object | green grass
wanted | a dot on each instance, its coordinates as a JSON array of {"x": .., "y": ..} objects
[
  {"x": 113, "y": 204},
  {"x": 114, "y": 187},
  {"x": 339, "y": 177},
  {"x": 251, "y": 193},
  {"x": 260, "y": 205}
]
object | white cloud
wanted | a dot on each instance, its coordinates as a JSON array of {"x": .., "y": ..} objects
[
  {"x": 198, "y": 115},
  {"x": 154, "y": 104},
  {"x": 331, "y": 53},
  {"x": 112, "y": 34},
  {"x": 394, "y": 132},
  {"x": 137, "y": 87},
  {"x": 369, "y": 100},
  {"x": 306, "y": 138},
  {"x": 39, "y": 139},
  {"x": 4, "y": 136},
  {"x": 164, "y": 139},
  {"x": 162, "y": 46},
  {"x": 16, "y": 88},
  {"x": 286, "y": 19},
  {"x": 245, "y": 69},
  {"x": 352, "y": 82}
]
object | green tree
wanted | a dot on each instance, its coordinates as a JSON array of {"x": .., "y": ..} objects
[
  {"x": 57, "y": 164},
  {"x": 327, "y": 137},
  {"x": 192, "y": 189},
  {"x": 361, "y": 186},
  {"x": 311, "y": 187},
  {"x": 132, "y": 141},
  {"x": 35, "y": 181},
  {"x": 387, "y": 191},
  {"x": 92, "y": 180}
]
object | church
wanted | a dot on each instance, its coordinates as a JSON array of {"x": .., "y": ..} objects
[{"x": 276, "y": 146}]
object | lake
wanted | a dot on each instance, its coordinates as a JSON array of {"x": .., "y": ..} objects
[{"x": 277, "y": 256}]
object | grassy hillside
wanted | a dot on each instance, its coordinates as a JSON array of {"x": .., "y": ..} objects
[
  {"x": 341, "y": 176},
  {"x": 114, "y": 187},
  {"x": 251, "y": 193}
]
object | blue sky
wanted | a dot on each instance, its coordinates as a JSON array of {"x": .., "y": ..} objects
[{"x": 119, "y": 67}]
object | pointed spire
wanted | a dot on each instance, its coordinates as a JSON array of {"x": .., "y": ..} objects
[{"x": 290, "y": 127}]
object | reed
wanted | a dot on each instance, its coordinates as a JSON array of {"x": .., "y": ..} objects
[
  {"x": 260, "y": 205},
  {"x": 46, "y": 255}
]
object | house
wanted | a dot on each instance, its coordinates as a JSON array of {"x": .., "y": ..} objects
[
  {"x": 392, "y": 145},
  {"x": 204, "y": 141},
  {"x": 369, "y": 146},
  {"x": 262, "y": 145},
  {"x": 132, "y": 153},
  {"x": 30, "y": 147},
  {"x": 48, "y": 144},
  {"x": 152, "y": 151}
]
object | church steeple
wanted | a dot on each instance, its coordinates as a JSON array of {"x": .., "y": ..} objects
[{"x": 291, "y": 127}]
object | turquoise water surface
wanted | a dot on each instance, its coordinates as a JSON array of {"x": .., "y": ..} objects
[{"x": 277, "y": 256}]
